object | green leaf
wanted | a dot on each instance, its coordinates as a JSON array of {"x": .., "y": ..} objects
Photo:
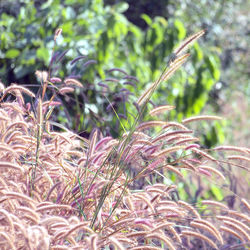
[
  {"x": 198, "y": 52},
  {"x": 220, "y": 132},
  {"x": 147, "y": 19},
  {"x": 207, "y": 82},
  {"x": 213, "y": 66},
  {"x": 199, "y": 103},
  {"x": 217, "y": 192},
  {"x": 67, "y": 27},
  {"x": 121, "y": 7},
  {"x": 12, "y": 53},
  {"x": 181, "y": 29},
  {"x": 162, "y": 20},
  {"x": 46, "y": 4},
  {"x": 42, "y": 54}
]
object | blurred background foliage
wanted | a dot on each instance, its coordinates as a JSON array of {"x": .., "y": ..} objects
[{"x": 137, "y": 37}]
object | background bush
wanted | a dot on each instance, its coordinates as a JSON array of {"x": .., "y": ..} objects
[{"x": 103, "y": 33}]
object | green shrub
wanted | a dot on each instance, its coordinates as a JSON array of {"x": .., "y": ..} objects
[{"x": 103, "y": 33}]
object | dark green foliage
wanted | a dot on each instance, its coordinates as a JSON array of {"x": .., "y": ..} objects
[{"x": 103, "y": 34}]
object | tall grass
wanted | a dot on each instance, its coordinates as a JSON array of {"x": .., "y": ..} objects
[{"x": 61, "y": 191}]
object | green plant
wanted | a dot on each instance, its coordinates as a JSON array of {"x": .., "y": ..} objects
[{"x": 103, "y": 33}]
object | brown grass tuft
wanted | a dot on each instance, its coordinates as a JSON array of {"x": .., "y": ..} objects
[
  {"x": 200, "y": 236},
  {"x": 201, "y": 118}
]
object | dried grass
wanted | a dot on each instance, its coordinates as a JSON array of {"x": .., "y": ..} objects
[{"x": 200, "y": 236}]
